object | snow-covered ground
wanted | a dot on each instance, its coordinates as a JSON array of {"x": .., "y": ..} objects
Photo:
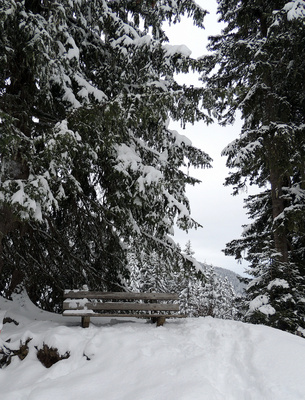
[{"x": 191, "y": 359}]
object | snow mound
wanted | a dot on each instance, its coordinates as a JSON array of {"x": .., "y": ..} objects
[{"x": 122, "y": 359}]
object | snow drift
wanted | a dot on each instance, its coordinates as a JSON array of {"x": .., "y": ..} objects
[{"x": 189, "y": 359}]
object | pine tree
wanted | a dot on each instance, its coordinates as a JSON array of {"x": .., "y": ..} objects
[
  {"x": 87, "y": 159},
  {"x": 260, "y": 57},
  {"x": 216, "y": 298},
  {"x": 201, "y": 291},
  {"x": 188, "y": 250}
]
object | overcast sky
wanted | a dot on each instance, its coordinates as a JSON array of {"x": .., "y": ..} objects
[{"x": 221, "y": 214}]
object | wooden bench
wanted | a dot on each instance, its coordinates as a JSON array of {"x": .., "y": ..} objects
[{"x": 88, "y": 304}]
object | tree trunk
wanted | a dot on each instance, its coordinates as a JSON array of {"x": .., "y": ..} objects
[
  {"x": 8, "y": 222},
  {"x": 1, "y": 253},
  {"x": 280, "y": 240}
]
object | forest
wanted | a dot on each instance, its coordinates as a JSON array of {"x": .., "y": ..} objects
[{"x": 93, "y": 180}]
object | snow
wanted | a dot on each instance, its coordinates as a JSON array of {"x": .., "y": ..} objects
[
  {"x": 179, "y": 139},
  {"x": 127, "y": 157},
  {"x": 2, "y": 315},
  {"x": 171, "y": 50},
  {"x": 18, "y": 197},
  {"x": 87, "y": 88},
  {"x": 25, "y": 195},
  {"x": 260, "y": 303},
  {"x": 78, "y": 312},
  {"x": 295, "y": 9},
  {"x": 278, "y": 282},
  {"x": 10, "y": 10},
  {"x": 150, "y": 175},
  {"x": 77, "y": 303},
  {"x": 122, "y": 359},
  {"x": 73, "y": 51}
]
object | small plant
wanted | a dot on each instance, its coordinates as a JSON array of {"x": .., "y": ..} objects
[
  {"x": 48, "y": 356},
  {"x": 6, "y": 353}
]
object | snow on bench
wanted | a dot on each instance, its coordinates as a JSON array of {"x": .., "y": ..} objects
[{"x": 88, "y": 304}]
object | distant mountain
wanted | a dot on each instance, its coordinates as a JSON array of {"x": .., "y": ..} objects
[
  {"x": 233, "y": 278},
  {"x": 230, "y": 275}
]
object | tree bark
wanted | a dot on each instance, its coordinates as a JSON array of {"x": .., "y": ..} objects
[
  {"x": 280, "y": 240},
  {"x": 7, "y": 223},
  {"x": 1, "y": 253}
]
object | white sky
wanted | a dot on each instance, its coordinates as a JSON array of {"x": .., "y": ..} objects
[{"x": 221, "y": 214}]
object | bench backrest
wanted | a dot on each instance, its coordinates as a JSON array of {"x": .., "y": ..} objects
[{"x": 119, "y": 301}]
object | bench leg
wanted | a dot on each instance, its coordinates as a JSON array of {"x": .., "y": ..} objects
[
  {"x": 160, "y": 321},
  {"x": 85, "y": 322}
]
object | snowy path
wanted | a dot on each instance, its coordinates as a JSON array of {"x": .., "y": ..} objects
[{"x": 192, "y": 359}]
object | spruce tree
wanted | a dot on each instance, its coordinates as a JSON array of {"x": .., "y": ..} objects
[
  {"x": 87, "y": 159},
  {"x": 201, "y": 291},
  {"x": 260, "y": 71}
]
